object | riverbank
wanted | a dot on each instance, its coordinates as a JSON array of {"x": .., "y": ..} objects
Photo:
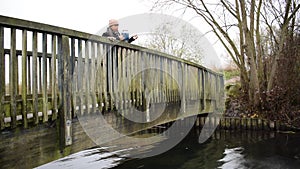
[{"x": 236, "y": 106}]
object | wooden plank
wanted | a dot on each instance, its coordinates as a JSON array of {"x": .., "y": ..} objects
[
  {"x": 119, "y": 80},
  {"x": 177, "y": 81},
  {"x": 161, "y": 89},
  {"x": 159, "y": 74},
  {"x": 99, "y": 76},
  {"x": 153, "y": 76},
  {"x": 93, "y": 77},
  {"x": 109, "y": 74},
  {"x": 54, "y": 77},
  {"x": 124, "y": 79},
  {"x": 166, "y": 80},
  {"x": 2, "y": 77},
  {"x": 34, "y": 78},
  {"x": 80, "y": 76},
  {"x": 29, "y": 85},
  {"x": 128, "y": 79},
  {"x": 142, "y": 75},
  {"x": 45, "y": 82},
  {"x": 24, "y": 78},
  {"x": 86, "y": 78},
  {"x": 72, "y": 74},
  {"x": 13, "y": 78},
  {"x": 171, "y": 65},
  {"x": 114, "y": 77},
  {"x": 40, "y": 80},
  {"x": 183, "y": 87},
  {"x": 136, "y": 70},
  {"x": 104, "y": 81}
]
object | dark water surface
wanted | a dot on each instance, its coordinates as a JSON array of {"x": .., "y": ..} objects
[{"x": 225, "y": 149}]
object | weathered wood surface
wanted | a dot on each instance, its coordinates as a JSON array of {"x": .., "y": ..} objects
[
  {"x": 57, "y": 75},
  {"x": 101, "y": 75}
]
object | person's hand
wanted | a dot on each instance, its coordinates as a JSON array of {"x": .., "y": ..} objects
[
  {"x": 134, "y": 37},
  {"x": 121, "y": 37},
  {"x": 111, "y": 38}
]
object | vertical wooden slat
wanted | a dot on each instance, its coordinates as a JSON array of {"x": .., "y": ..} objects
[
  {"x": 148, "y": 82},
  {"x": 183, "y": 88},
  {"x": 128, "y": 78},
  {"x": 24, "y": 78},
  {"x": 71, "y": 75},
  {"x": 119, "y": 80},
  {"x": 86, "y": 78},
  {"x": 44, "y": 75},
  {"x": 166, "y": 80},
  {"x": 34, "y": 78},
  {"x": 92, "y": 77},
  {"x": 54, "y": 78},
  {"x": 159, "y": 84},
  {"x": 13, "y": 66},
  {"x": 2, "y": 77},
  {"x": 40, "y": 80},
  {"x": 124, "y": 79},
  {"x": 136, "y": 63},
  {"x": 109, "y": 74},
  {"x": 99, "y": 75},
  {"x": 80, "y": 77},
  {"x": 105, "y": 81},
  {"x": 172, "y": 63},
  {"x": 115, "y": 76},
  {"x": 29, "y": 85}
]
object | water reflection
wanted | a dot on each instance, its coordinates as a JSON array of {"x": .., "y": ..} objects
[
  {"x": 233, "y": 158},
  {"x": 98, "y": 158},
  {"x": 225, "y": 150}
]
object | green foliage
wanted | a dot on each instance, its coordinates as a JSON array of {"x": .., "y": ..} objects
[
  {"x": 233, "y": 90},
  {"x": 231, "y": 73}
]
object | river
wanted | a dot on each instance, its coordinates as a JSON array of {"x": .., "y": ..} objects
[{"x": 225, "y": 149}]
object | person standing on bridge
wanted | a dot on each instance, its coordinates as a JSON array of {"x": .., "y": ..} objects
[{"x": 112, "y": 32}]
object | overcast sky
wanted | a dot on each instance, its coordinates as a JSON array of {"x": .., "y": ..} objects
[{"x": 87, "y": 16}]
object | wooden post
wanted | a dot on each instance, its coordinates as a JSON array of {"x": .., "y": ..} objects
[
  {"x": 109, "y": 76},
  {"x": 72, "y": 78},
  {"x": 80, "y": 77},
  {"x": 24, "y": 78},
  {"x": 86, "y": 78},
  {"x": 100, "y": 76},
  {"x": 13, "y": 79},
  {"x": 114, "y": 77},
  {"x": 2, "y": 77},
  {"x": 45, "y": 82},
  {"x": 65, "y": 114},
  {"x": 93, "y": 78},
  {"x": 53, "y": 79},
  {"x": 183, "y": 86},
  {"x": 34, "y": 78}
]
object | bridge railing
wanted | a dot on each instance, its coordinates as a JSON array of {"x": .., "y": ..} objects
[{"x": 49, "y": 72}]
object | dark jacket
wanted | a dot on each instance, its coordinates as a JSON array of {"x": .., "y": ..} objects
[{"x": 110, "y": 33}]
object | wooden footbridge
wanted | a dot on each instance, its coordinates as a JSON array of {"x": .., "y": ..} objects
[{"x": 49, "y": 76}]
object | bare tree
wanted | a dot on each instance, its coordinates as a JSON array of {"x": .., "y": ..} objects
[
  {"x": 164, "y": 40},
  {"x": 247, "y": 18}
]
